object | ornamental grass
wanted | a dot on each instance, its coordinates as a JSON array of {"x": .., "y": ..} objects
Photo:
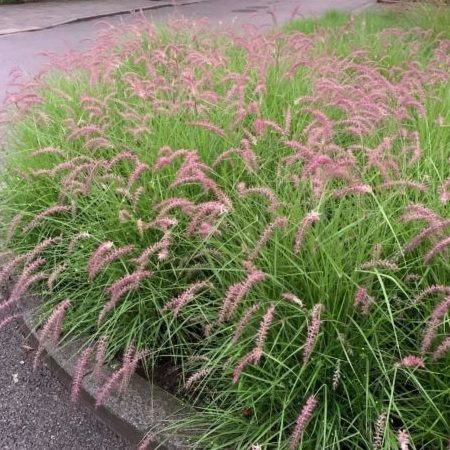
[{"x": 265, "y": 211}]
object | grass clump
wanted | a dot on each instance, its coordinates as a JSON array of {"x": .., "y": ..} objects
[{"x": 268, "y": 212}]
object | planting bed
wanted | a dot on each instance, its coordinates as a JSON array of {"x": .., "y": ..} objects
[{"x": 266, "y": 212}]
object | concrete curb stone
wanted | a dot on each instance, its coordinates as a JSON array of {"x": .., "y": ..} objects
[{"x": 144, "y": 407}]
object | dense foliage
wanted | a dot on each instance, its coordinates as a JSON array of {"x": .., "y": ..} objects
[{"x": 267, "y": 211}]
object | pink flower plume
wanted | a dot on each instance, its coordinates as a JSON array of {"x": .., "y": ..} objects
[
  {"x": 79, "y": 373},
  {"x": 306, "y": 223},
  {"x": 302, "y": 421},
  {"x": 313, "y": 331},
  {"x": 51, "y": 330}
]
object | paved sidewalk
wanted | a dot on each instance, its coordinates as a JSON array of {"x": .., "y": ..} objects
[{"x": 38, "y": 16}]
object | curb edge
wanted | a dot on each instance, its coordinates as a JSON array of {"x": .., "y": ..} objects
[{"x": 144, "y": 407}]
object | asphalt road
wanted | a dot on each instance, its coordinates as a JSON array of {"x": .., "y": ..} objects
[
  {"x": 35, "y": 411},
  {"x": 20, "y": 50}
]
